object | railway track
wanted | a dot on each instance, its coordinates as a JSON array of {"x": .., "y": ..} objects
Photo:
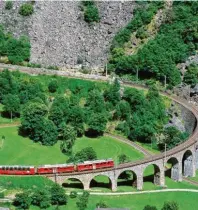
[
  {"x": 130, "y": 143},
  {"x": 149, "y": 158}
]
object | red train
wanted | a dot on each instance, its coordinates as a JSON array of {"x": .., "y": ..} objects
[{"x": 58, "y": 168}]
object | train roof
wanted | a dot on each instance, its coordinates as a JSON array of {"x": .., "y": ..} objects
[
  {"x": 95, "y": 161},
  {"x": 16, "y": 166},
  {"x": 55, "y": 165}
]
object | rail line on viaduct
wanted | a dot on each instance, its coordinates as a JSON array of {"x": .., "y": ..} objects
[{"x": 184, "y": 157}]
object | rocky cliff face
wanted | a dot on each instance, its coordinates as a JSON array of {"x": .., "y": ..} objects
[
  {"x": 181, "y": 118},
  {"x": 60, "y": 36}
]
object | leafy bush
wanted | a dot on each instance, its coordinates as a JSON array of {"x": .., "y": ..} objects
[
  {"x": 73, "y": 194},
  {"x": 26, "y": 9},
  {"x": 22, "y": 200},
  {"x": 85, "y": 154},
  {"x": 91, "y": 14},
  {"x": 191, "y": 75},
  {"x": 53, "y": 85},
  {"x": 17, "y": 50},
  {"x": 2, "y": 195},
  {"x": 9, "y": 5}
]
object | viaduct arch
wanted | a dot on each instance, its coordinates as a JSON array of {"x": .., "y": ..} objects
[{"x": 183, "y": 159}]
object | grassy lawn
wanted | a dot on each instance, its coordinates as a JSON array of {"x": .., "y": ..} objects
[
  {"x": 20, "y": 150},
  {"x": 107, "y": 147},
  {"x": 186, "y": 201},
  {"x": 13, "y": 182}
]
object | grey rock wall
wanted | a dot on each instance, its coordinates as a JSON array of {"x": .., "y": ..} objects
[
  {"x": 181, "y": 118},
  {"x": 60, "y": 36}
]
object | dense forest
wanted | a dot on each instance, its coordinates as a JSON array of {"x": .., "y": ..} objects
[
  {"x": 50, "y": 110},
  {"x": 175, "y": 41}
]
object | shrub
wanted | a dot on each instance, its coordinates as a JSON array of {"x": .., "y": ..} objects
[
  {"x": 26, "y": 9},
  {"x": 73, "y": 194},
  {"x": 53, "y": 85},
  {"x": 9, "y": 5},
  {"x": 2, "y": 195},
  {"x": 91, "y": 14},
  {"x": 53, "y": 67}
]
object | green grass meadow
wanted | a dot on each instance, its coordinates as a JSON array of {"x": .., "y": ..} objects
[
  {"x": 185, "y": 200},
  {"x": 19, "y": 150}
]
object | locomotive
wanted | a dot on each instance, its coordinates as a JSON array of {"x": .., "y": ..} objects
[{"x": 57, "y": 168}]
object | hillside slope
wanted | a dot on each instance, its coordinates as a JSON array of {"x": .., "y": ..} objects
[{"x": 60, "y": 36}]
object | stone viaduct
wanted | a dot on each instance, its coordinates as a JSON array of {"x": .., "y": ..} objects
[{"x": 183, "y": 159}]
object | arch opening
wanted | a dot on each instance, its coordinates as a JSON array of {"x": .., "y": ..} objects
[
  {"x": 127, "y": 179},
  {"x": 73, "y": 183},
  {"x": 101, "y": 182},
  {"x": 172, "y": 169},
  {"x": 187, "y": 164},
  {"x": 151, "y": 176}
]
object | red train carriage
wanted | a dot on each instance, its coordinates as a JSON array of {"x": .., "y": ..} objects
[
  {"x": 85, "y": 166},
  {"x": 65, "y": 168},
  {"x": 104, "y": 164},
  {"x": 58, "y": 168},
  {"x": 97, "y": 164},
  {"x": 17, "y": 170}
]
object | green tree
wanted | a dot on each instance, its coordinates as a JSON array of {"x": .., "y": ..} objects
[
  {"x": 53, "y": 85},
  {"x": 123, "y": 158},
  {"x": 96, "y": 123},
  {"x": 134, "y": 97},
  {"x": 83, "y": 201},
  {"x": 101, "y": 204},
  {"x": 85, "y": 154},
  {"x": 171, "y": 205},
  {"x": 26, "y": 9},
  {"x": 96, "y": 114},
  {"x": 112, "y": 95},
  {"x": 122, "y": 110},
  {"x": 32, "y": 113},
  {"x": 148, "y": 207},
  {"x": 31, "y": 89},
  {"x": 172, "y": 137},
  {"x": 22, "y": 200},
  {"x": 57, "y": 116},
  {"x": 95, "y": 101},
  {"x": 9, "y": 5},
  {"x": 11, "y": 105},
  {"x": 45, "y": 131},
  {"x": 191, "y": 75},
  {"x": 63, "y": 104},
  {"x": 41, "y": 198},
  {"x": 76, "y": 118},
  {"x": 58, "y": 196},
  {"x": 91, "y": 14},
  {"x": 69, "y": 137}
]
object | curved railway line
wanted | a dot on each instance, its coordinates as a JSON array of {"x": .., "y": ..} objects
[{"x": 149, "y": 158}]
